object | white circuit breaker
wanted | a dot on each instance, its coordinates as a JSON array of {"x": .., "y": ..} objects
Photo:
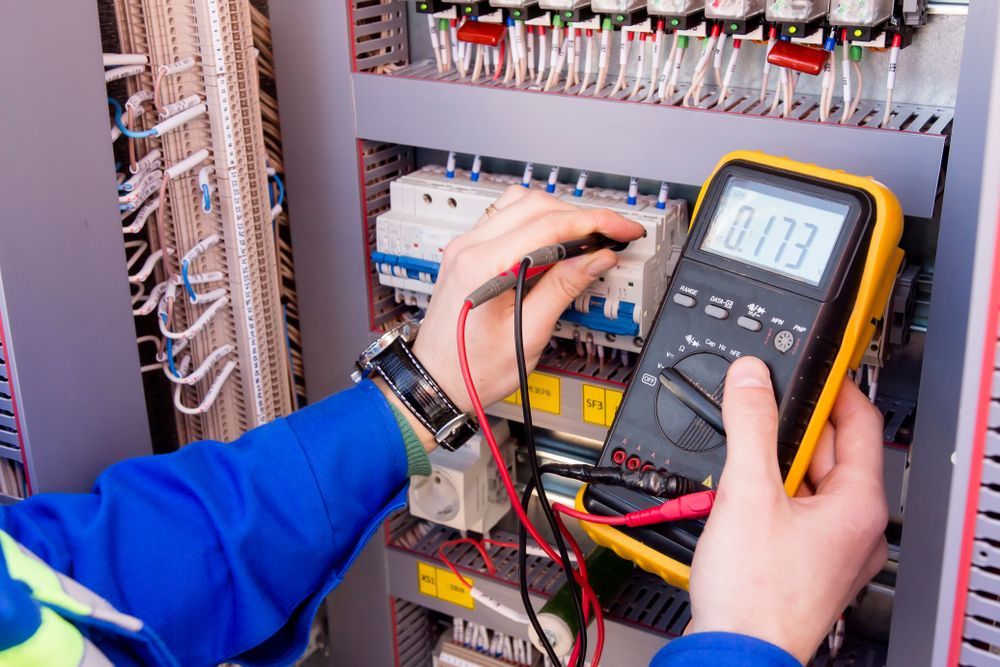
[
  {"x": 428, "y": 210},
  {"x": 464, "y": 490}
]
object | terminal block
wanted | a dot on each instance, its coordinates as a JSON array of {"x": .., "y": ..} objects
[
  {"x": 679, "y": 14},
  {"x": 737, "y": 17},
  {"x": 797, "y": 18}
]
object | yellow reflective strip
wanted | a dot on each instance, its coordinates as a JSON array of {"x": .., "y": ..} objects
[
  {"x": 43, "y": 581},
  {"x": 56, "y": 643}
]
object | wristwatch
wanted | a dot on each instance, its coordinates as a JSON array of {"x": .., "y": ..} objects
[{"x": 391, "y": 359}]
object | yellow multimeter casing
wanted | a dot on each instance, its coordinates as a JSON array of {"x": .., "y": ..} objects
[{"x": 786, "y": 261}]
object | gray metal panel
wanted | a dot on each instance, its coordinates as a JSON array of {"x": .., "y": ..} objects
[
  {"x": 64, "y": 297},
  {"x": 625, "y": 644},
  {"x": 312, "y": 61},
  {"x": 928, "y": 568},
  {"x": 492, "y": 121}
]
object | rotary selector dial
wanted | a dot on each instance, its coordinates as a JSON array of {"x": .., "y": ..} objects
[{"x": 688, "y": 400}]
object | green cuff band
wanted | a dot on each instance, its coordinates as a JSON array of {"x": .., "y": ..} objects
[{"x": 417, "y": 462}]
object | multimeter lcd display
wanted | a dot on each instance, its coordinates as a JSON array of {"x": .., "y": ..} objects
[{"x": 785, "y": 231}]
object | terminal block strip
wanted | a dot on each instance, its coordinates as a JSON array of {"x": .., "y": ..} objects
[{"x": 218, "y": 35}]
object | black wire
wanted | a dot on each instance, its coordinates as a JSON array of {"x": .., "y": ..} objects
[
  {"x": 522, "y": 578},
  {"x": 536, "y": 476}
]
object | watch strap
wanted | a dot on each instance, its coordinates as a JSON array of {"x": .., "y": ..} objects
[{"x": 422, "y": 396}]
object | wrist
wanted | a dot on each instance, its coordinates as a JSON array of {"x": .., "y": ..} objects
[{"x": 423, "y": 434}]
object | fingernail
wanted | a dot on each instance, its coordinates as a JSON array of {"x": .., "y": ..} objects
[
  {"x": 600, "y": 263},
  {"x": 749, "y": 372}
]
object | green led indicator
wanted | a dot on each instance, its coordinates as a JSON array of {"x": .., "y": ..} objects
[
  {"x": 568, "y": 15},
  {"x": 734, "y": 26},
  {"x": 620, "y": 18},
  {"x": 675, "y": 21},
  {"x": 423, "y": 6},
  {"x": 517, "y": 12},
  {"x": 857, "y": 32},
  {"x": 468, "y": 10},
  {"x": 792, "y": 30}
]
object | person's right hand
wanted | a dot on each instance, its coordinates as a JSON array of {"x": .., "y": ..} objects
[{"x": 783, "y": 569}]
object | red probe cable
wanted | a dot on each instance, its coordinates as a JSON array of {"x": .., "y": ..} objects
[
  {"x": 484, "y": 424},
  {"x": 692, "y": 506}
]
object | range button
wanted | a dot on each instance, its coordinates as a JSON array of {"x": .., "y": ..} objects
[
  {"x": 749, "y": 323},
  {"x": 684, "y": 300}
]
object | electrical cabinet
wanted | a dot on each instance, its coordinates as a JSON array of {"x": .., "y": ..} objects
[{"x": 407, "y": 113}]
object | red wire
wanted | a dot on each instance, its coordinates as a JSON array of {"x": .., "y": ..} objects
[
  {"x": 590, "y": 518},
  {"x": 484, "y": 424},
  {"x": 490, "y": 567},
  {"x": 503, "y": 59},
  {"x": 589, "y": 596},
  {"x": 491, "y": 441}
]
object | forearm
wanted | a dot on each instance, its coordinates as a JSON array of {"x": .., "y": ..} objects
[{"x": 218, "y": 546}]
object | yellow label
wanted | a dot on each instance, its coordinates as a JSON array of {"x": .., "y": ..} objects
[
  {"x": 427, "y": 577},
  {"x": 612, "y": 399},
  {"x": 544, "y": 390},
  {"x": 594, "y": 405},
  {"x": 514, "y": 398},
  {"x": 442, "y": 584}
]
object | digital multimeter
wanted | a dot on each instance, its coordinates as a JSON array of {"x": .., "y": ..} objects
[{"x": 784, "y": 261}]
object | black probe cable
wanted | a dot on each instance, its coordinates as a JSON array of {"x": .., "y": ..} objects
[{"x": 536, "y": 479}]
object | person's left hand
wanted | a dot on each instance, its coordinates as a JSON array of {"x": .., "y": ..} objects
[{"x": 526, "y": 220}]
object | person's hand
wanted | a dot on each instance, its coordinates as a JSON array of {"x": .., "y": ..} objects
[
  {"x": 783, "y": 569},
  {"x": 526, "y": 220}
]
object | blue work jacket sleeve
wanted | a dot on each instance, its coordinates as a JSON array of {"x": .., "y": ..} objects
[
  {"x": 227, "y": 550},
  {"x": 722, "y": 649}
]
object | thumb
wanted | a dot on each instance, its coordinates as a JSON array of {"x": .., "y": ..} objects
[
  {"x": 557, "y": 289},
  {"x": 750, "y": 415}
]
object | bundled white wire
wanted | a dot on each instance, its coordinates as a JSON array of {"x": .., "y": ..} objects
[
  {"x": 509, "y": 64},
  {"x": 826, "y": 88},
  {"x": 570, "y": 58},
  {"x": 199, "y": 373},
  {"x": 664, "y": 78},
  {"x": 457, "y": 56},
  {"x": 846, "y": 81},
  {"x": 213, "y": 390},
  {"x": 766, "y": 73},
  {"x": 623, "y": 54},
  {"x": 873, "y": 373},
  {"x": 859, "y": 77},
  {"x": 445, "y": 46},
  {"x": 139, "y": 247},
  {"x": 720, "y": 46},
  {"x": 734, "y": 58},
  {"x": 890, "y": 84},
  {"x": 701, "y": 68},
  {"x": 543, "y": 55},
  {"x": 588, "y": 63},
  {"x": 557, "y": 58},
  {"x": 150, "y": 340},
  {"x": 152, "y": 300},
  {"x": 654, "y": 65},
  {"x": 521, "y": 50},
  {"x": 789, "y": 97},
  {"x": 147, "y": 268},
  {"x": 640, "y": 66},
  {"x": 139, "y": 221},
  {"x": 457, "y": 630},
  {"x": 675, "y": 73},
  {"x": 603, "y": 58},
  {"x": 530, "y": 52},
  {"x": 477, "y": 69},
  {"x": 199, "y": 324}
]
